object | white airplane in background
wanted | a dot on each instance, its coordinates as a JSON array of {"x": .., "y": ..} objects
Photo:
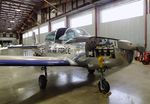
[{"x": 74, "y": 47}]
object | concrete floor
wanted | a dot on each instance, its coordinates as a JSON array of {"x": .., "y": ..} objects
[{"x": 73, "y": 85}]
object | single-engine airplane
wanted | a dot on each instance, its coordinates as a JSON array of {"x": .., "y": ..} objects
[{"x": 74, "y": 47}]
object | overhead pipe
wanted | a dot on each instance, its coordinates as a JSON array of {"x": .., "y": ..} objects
[{"x": 52, "y": 6}]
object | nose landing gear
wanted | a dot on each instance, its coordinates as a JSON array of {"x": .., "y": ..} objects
[{"x": 103, "y": 84}]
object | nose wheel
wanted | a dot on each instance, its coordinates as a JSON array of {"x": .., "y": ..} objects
[
  {"x": 103, "y": 84},
  {"x": 91, "y": 71},
  {"x": 43, "y": 78}
]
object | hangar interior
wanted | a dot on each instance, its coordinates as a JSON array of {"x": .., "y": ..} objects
[
  {"x": 27, "y": 22},
  {"x": 120, "y": 25}
]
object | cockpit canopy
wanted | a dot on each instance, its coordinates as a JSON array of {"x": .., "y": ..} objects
[{"x": 65, "y": 34}]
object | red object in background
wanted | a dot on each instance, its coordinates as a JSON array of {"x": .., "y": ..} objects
[
  {"x": 146, "y": 58},
  {"x": 143, "y": 57}
]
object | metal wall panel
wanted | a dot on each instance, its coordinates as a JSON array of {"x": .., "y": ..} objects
[
  {"x": 131, "y": 29},
  {"x": 89, "y": 28}
]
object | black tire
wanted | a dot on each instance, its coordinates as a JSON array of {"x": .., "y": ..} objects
[
  {"x": 91, "y": 71},
  {"x": 130, "y": 56},
  {"x": 145, "y": 63},
  {"x": 42, "y": 82},
  {"x": 105, "y": 86}
]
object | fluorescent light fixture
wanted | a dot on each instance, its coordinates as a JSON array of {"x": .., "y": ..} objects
[
  {"x": 9, "y": 28},
  {"x": 12, "y": 21},
  {"x": 18, "y": 10}
]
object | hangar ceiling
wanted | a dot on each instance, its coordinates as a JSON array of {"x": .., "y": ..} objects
[
  {"x": 14, "y": 12},
  {"x": 18, "y": 14}
]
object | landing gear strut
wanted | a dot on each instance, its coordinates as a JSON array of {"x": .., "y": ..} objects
[
  {"x": 91, "y": 71},
  {"x": 103, "y": 84},
  {"x": 43, "y": 78}
]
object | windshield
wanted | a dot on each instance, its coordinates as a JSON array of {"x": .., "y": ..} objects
[
  {"x": 80, "y": 32},
  {"x": 73, "y": 33},
  {"x": 50, "y": 36}
]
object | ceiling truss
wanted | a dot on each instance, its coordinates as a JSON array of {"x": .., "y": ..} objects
[{"x": 14, "y": 12}]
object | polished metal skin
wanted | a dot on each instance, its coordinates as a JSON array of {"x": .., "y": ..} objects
[
  {"x": 78, "y": 47},
  {"x": 74, "y": 47},
  {"x": 93, "y": 53}
]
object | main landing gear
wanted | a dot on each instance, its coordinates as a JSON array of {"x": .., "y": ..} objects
[
  {"x": 43, "y": 78},
  {"x": 91, "y": 71},
  {"x": 103, "y": 84}
]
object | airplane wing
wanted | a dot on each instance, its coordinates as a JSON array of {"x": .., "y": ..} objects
[
  {"x": 23, "y": 46},
  {"x": 35, "y": 61}
]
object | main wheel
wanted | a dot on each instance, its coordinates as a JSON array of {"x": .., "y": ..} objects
[
  {"x": 130, "y": 56},
  {"x": 42, "y": 82},
  {"x": 105, "y": 86},
  {"x": 91, "y": 71}
]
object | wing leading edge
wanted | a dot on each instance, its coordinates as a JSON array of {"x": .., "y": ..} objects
[{"x": 33, "y": 61}]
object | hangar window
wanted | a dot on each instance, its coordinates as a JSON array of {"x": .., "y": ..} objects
[
  {"x": 125, "y": 11},
  {"x": 56, "y": 25},
  {"x": 29, "y": 33},
  {"x": 25, "y": 35},
  {"x": 79, "y": 21},
  {"x": 43, "y": 29}
]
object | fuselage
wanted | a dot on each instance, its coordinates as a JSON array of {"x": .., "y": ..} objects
[{"x": 76, "y": 45}]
